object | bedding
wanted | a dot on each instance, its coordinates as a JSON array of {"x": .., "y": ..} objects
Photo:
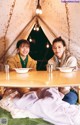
[
  {"x": 49, "y": 107},
  {"x": 20, "y": 121}
]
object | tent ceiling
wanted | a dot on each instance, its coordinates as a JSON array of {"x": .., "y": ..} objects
[{"x": 63, "y": 19}]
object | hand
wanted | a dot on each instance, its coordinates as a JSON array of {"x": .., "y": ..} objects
[
  {"x": 43, "y": 93},
  {"x": 64, "y": 90},
  {"x": 11, "y": 92}
]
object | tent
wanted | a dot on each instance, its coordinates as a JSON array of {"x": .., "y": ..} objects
[{"x": 59, "y": 18}]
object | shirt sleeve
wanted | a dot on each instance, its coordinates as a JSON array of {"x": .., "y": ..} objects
[
  {"x": 71, "y": 62},
  {"x": 11, "y": 63}
]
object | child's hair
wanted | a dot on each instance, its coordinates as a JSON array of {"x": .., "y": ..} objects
[
  {"x": 22, "y": 41},
  {"x": 59, "y": 39}
]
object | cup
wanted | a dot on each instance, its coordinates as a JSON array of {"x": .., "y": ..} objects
[
  {"x": 49, "y": 68},
  {"x": 7, "y": 68}
]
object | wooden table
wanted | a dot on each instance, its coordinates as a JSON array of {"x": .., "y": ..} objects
[{"x": 40, "y": 79}]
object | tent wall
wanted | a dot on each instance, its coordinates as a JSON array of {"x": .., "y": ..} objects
[{"x": 62, "y": 19}]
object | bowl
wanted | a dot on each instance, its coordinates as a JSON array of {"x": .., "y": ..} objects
[
  {"x": 22, "y": 70},
  {"x": 66, "y": 69}
]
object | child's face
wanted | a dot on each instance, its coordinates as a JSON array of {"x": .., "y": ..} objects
[
  {"x": 58, "y": 49},
  {"x": 24, "y": 49}
]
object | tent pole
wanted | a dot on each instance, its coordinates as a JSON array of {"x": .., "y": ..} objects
[{"x": 47, "y": 26}]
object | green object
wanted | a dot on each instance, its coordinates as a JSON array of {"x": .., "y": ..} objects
[
  {"x": 20, "y": 121},
  {"x": 24, "y": 62}
]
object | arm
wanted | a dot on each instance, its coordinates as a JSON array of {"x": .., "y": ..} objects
[
  {"x": 54, "y": 62},
  {"x": 64, "y": 90},
  {"x": 71, "y": 62},
  {"x": 11, "y": 62}
]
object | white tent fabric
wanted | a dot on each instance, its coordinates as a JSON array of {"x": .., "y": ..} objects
[{"x": 17, "y": 18}]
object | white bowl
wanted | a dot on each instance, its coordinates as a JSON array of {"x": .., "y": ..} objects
[
  {"x": 66, "y": 69},
  {"x": 22, "y": 70}
]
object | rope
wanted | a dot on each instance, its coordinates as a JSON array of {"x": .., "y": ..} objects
[
  {"x": 7, "y": 27},
  {"x": 16, "y": 38},
  {"x": 9, "y": 20},
  {"x": 68, "y": 24}
]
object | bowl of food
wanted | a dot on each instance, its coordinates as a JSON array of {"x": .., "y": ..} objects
[
  {"x": 66, "y": 69},
  {"x": 22, "y": 70}
]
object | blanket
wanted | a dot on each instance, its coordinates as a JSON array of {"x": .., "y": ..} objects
[{"x": 49, "y": 106}]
